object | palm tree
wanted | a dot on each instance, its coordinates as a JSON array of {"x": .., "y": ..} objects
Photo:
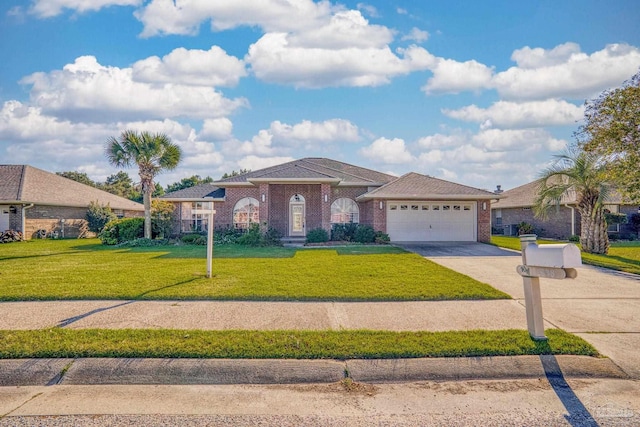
[
  {"x": 578, "y": 174},
  {"x": 153, "y": 153}
]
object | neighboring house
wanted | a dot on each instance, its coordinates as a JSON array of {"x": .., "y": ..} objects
[
  {"x": 32, "y": 200},
  {"x": 516, "y": 207},
  {"x": 310, "y": 193}
]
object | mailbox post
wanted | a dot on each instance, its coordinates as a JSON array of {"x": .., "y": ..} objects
[{"x": 556, "y": 261}]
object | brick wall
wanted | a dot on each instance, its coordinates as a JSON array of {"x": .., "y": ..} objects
[
  {"x": 275, "y": 209},
  {"x": 557, "y": 225},
  {"x": 483, "y": 209}
]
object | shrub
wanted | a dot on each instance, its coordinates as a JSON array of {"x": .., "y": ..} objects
[
  {"x": 365, "y": 234},
  {"x": 317, "y": 235},
  {"x": 194, "y": 239},
  {"x": 615, "y": 218},
  {"x": 574, "y": 238},
  {"x": 343, "y": 232},
  {"x": 122, "y": 230},
  {"x": 98, "y": 216},
  {"x": 525, "y": 228},
  {"x": 161, "y": 217},
  {"x": 382, "y": 238},
  {"x": 252, "y": 236},
  {"x": 272, "y": 237},
  {"x": 226, "y": 235}
]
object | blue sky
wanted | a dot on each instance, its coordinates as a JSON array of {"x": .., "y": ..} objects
[{"x": 479, "y": 93}]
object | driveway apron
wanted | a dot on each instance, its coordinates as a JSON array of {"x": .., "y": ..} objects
[{"x": 601, "y": 306}]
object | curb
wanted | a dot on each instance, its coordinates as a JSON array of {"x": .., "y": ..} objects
[{"x": 103, "y": 371}]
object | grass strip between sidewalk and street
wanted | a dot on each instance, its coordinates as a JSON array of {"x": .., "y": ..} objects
[
  {"x": 85, "y": 270},
  {"x": 623, "y": 256},
  {"x": 286, "y": 344}
]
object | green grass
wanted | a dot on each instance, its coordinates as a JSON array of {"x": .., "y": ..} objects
[
  {"x": 623, "y": 256},
  {"x": 84, "y": 269},
  {"x": 65, "y": 343}
]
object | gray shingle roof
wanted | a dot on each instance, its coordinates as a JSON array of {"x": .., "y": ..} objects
[
  {"x": 314, "y": 168},
  {"x": 525, "y": 196},
  {"x": 417, "y": 186},
  {"x": 26, "y": 184},
  {"x": 196, "y": 192}
]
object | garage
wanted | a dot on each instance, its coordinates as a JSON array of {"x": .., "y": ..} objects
[{"x": 431, "y": 221}]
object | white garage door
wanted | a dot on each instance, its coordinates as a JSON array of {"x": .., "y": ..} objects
[{"x": 411, "y": 221}]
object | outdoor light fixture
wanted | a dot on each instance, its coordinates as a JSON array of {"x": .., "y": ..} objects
[
  {"x": 380, "y": 205},
  {"x": 326, "y": 198},
  {"x": 263, "y": 197},
  {"x": 484, "y": 206}
]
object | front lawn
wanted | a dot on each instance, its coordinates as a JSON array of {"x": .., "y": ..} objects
[
  {"x": 84, "y": 269},
  {"x": 623, "y": 256},
  {"x": 65, "y": 343}
]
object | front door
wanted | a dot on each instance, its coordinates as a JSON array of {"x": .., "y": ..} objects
[{"x": 297, "y": 216}]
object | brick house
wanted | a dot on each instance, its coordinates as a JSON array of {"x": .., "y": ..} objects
[
  {"x": 32, "y": 199},
  {"x": 517, "y": 206},
  {"x": 309, "y": 193}
]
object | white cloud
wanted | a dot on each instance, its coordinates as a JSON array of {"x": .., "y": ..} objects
[
  {"x": 273, "y": 60},
  {"x": 197, "y": 67},
  {"x": 184, "y": 17},
  {"x": 368, "y": 9},
  {"x": 506, "y": 114},
  {"x": 488, "y": 157},
  {"x": 517, "y": 140},
  {"x": 387, "y": 151},
  {"x": 566, "y": 72},
  {"x": 439, "y": 141},
  {"x": 345, "y": 29},
  {"x": 450, "y": 76},
  {"x": 50, "y": 8},
  {"x": 417, "y": 35},
  {"x": 86, "y": 90},
  {"x": 218, "y": 129},
  {"x": 334, "y": 130},
  {"x": 538, "y": 57}
]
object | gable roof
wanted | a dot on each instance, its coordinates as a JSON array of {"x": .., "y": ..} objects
[
  {"x": 525, "y": 196},
  {"x": 311, "y": 169},
  {"x": 197, "y": 192},
  {"x": 26, "y": 184},
  {"x": 415, "y": 186}
]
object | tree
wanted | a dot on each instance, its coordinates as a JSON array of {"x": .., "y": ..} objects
[
  {"x": 162, "y": 216},
  {"x": 234, "y": 173},
  {"x": 98, "y": 216},
  {"x": 152, "y": 153},
  {"x": 612, "y": 130},
  {"x": 188, "y": 182},
  {"x": 122, "y": 185},
  {"x": 80, "y": 177},
  {"x": 580, "y": 173}
]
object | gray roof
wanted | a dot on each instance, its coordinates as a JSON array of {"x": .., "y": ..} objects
[
  {"x": 525, "y": 196},
  {"x": 26, "y": 184},
  {"x": 313, "y": 169},
  {"x": 417, "y": 186},
  {"x": 196, "y": 192}
]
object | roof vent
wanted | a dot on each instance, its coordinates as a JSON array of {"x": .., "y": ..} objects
[{"x": 498, "y": 189}]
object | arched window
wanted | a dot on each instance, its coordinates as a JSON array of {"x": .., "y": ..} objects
[
  {"x": 246, "y": 212},
  {"x": 344, "y": 211}
]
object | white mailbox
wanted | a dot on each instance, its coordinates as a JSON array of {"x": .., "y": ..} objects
[{"x": 565, "y": 255}]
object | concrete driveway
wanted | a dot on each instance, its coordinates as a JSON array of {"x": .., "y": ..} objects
[
  {"x": 455, "y": 249},
  {"x": 600, "y": 305}
]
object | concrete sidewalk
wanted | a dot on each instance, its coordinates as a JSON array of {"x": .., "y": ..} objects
[{"x": 251, "y": 315}]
